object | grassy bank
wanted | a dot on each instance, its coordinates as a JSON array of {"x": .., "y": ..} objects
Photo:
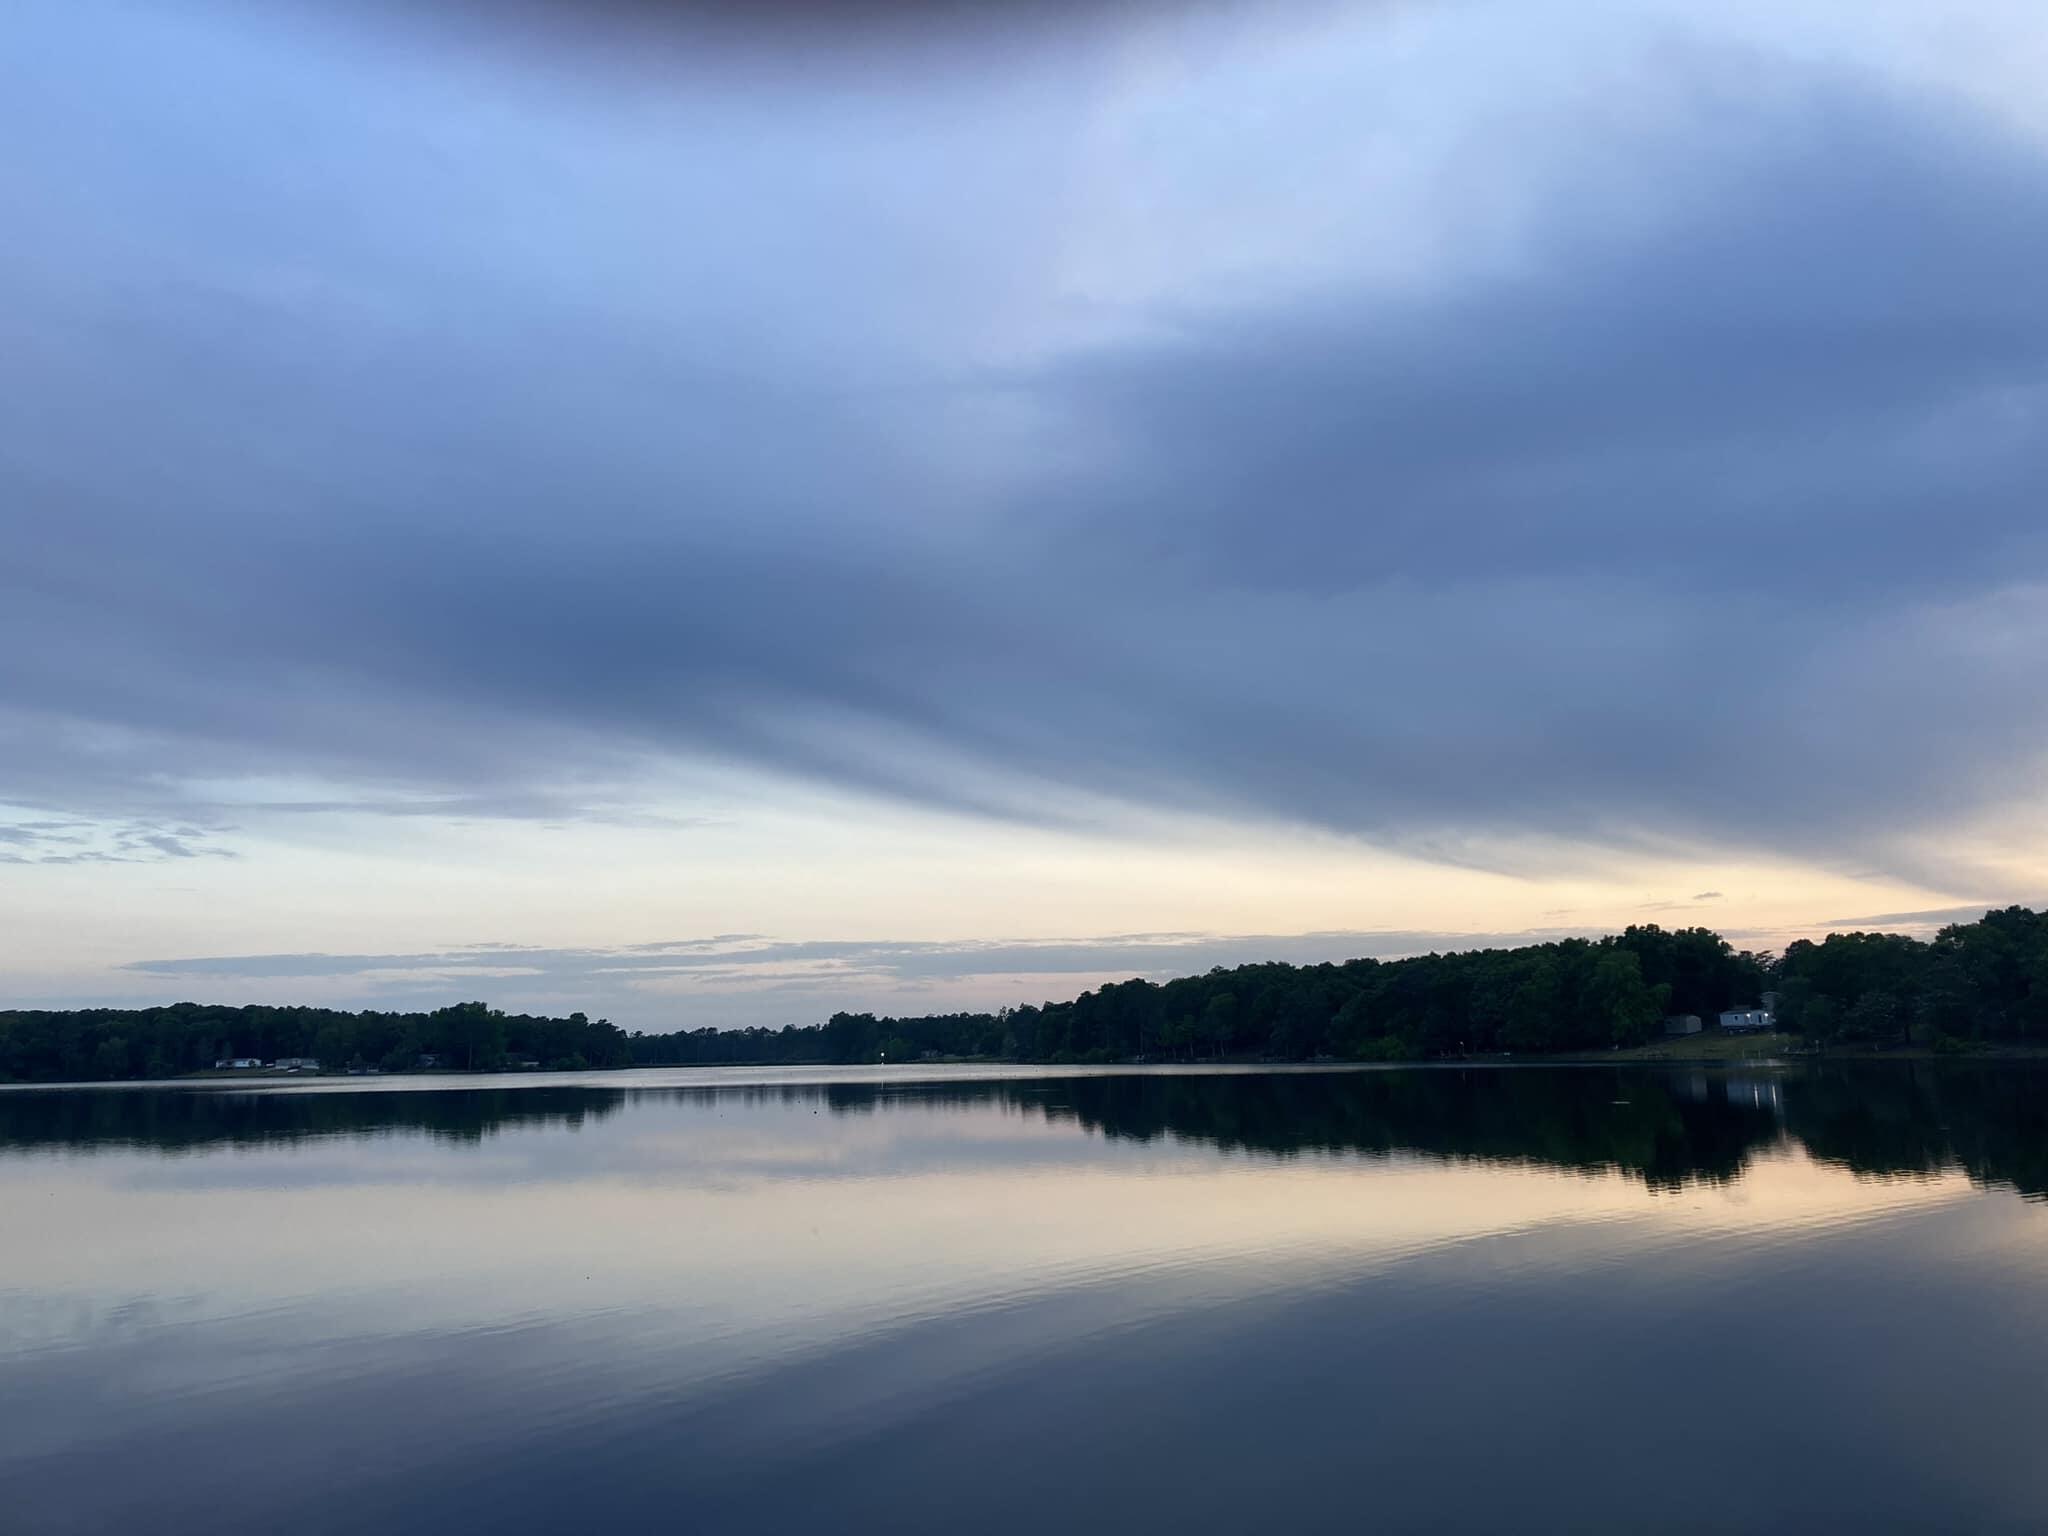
[{"x": 1712, "y": 1045}]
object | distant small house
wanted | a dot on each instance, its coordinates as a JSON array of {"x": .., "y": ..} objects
[
  {"x": 236, "y": 1064},
  {"x": 428, "y": 1059},
  {"x": 297, "y": 1064},
  {"x": 1739, "y": 1019},
  {"x": 1682, "y": 1024}
]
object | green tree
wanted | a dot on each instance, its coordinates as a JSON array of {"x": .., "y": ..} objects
[
  {"x": 110, "y": 1060},
  {"x": 1619, "y": 999},
  {"x": 1219, "y": 1022}
]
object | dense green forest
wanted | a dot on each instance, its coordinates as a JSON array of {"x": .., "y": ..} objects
[{"x": 1981, "y": 981}]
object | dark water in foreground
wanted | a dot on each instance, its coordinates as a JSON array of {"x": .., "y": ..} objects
[{"x": 1533, "y": 1299}]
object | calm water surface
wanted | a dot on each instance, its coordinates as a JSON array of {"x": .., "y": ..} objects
[{"x": 1521, "y": 1299}]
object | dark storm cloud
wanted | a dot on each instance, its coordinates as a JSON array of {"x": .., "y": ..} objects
[{"x": 458, "y": 462}]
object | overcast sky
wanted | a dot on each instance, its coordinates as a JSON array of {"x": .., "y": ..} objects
[{"x": 709, "y": 513}]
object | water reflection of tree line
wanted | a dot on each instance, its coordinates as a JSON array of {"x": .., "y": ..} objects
[
  {"x": 171, "y": 1120},
  {"x": 1668, "y": 1129},
  {"x": 1586, "y": 1120}
]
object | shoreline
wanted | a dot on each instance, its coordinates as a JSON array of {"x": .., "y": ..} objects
[{"x": 1705, "y": 1050}]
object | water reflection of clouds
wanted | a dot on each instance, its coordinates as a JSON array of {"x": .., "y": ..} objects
[
  {"x": 689, "y": 1280},
  {"x": 574, "y": 1411},
  {"x": 759, "y": 1250}
]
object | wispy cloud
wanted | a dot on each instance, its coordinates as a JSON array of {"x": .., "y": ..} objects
[
  {"x": 1145, "y": 954},
  {"x": 752, "y": 979},
  {"x": 60, "y": 841},
  {"x": 1936, "y": 917}
]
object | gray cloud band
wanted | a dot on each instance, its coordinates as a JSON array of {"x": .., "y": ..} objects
[{"x": 1716, "y": 523}]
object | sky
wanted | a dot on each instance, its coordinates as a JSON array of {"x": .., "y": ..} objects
[{"x": 709, "y": 513}]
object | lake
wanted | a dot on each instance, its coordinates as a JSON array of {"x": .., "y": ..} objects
[{"x": 1030, "y": 1300}]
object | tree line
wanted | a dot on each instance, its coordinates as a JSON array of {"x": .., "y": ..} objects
[
  {"x": 1573, "y": 994},
  {"x": 94, "y": 1044},
  {"x": 1980, "y": 981}
]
